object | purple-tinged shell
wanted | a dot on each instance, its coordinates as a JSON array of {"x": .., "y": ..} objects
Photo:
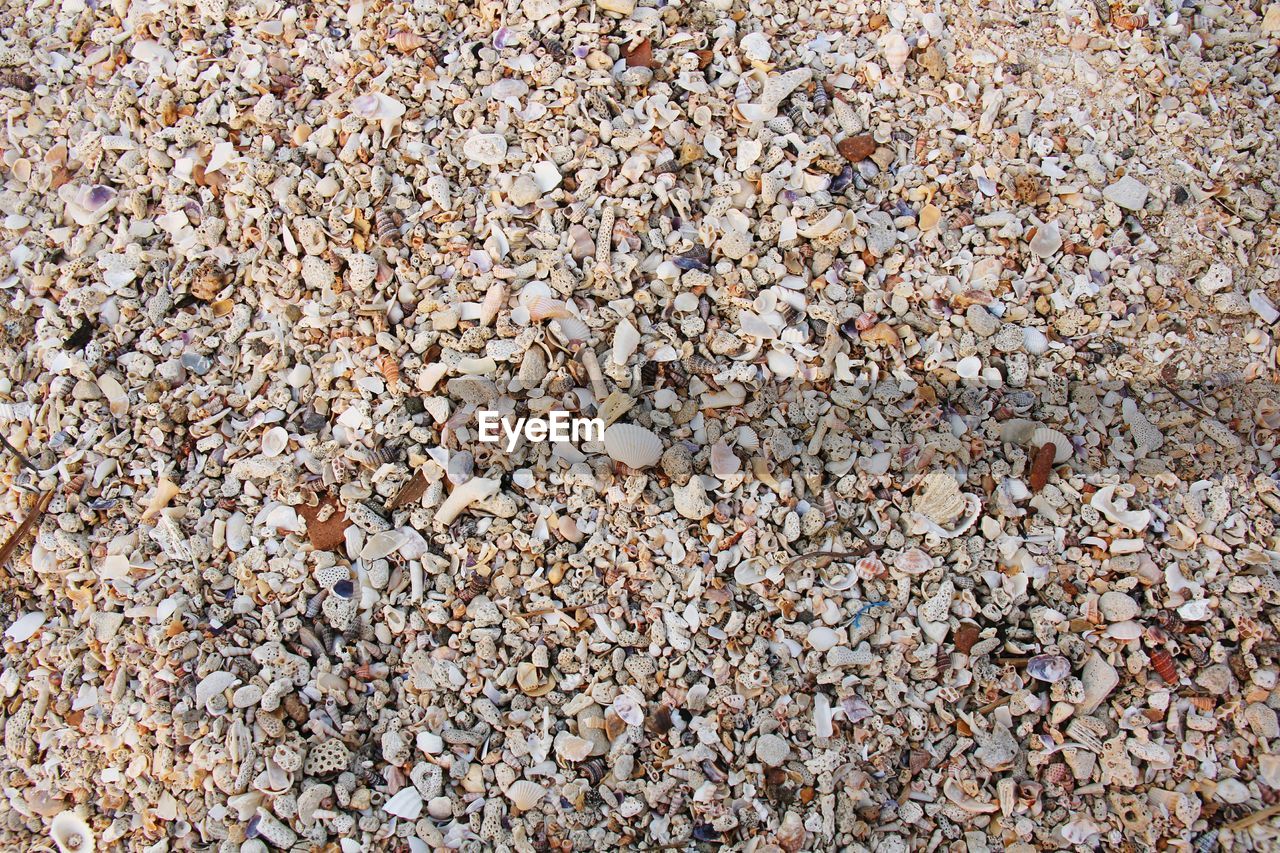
[
  {"x": 1049, "y": 668},
  {"x": 841, "y": 182},
  {"x": 501, "y": 38}
]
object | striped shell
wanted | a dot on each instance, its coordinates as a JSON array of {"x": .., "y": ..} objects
[
  {"x": 1045, "y": 435},
  {"x": 633, "y": 446},
  {"x": 524, "y": 794},
  {"x": 407, "y": 42},
  {"x": 912, "y": 561}
]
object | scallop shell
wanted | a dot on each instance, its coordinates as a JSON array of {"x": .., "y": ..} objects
[
  {"x": 1045, "y": 435},
  {"x": 524, "y": 794},
  {"x": 869, "y": 568},
  {"x": 545, "y": 308},
  {"x": 633, "y": 446},
  {"x": 748, "y": 439},
  {"x": 912, "y": 561},
  {"x": 72, "y": 834},
  {"x": 407, "y": 803},
  {"x": 571, "y": 329},
  {"x": 938, "y": 498}
]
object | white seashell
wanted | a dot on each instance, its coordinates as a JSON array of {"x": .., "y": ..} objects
[
  {"x": 823, "y": 638},
  {"x": 376, "y": 106},
  {"x": 895, "y": 50},
  {"x": 494, "y": 298},
  {"x": 117, "y": 397},
  {"x": 756, "y": 47},
  {"x": 748, "y": 439},
  {"x": 748, "y": 572},
  {"x": 628, "y": 710},
  {"x": 72, "y": 834},
  {"x": 969, "y": 368},
  {"x": 381, "y": 545},
  {"x": 487, "y": 148},
  {"x": 212, "y": 684},
  {"x": 1035, "y": 341},
  {"x": 407, "y": 803},
  {"x": 625, "y": 341},
  {"x": 439, "y": 192},
  {"x": 824, "y": 226},
  {"x": 724, "y": 462},
  {"x": 570, "y": 747},
  {"x": 524, "y": 794},
  {"x": 823, "y": 716},
  {"x": 951, "y": 788},
  {"x": 25, "y": 626},
  {"x": 633, "y": 446},
  {"x": 463, "y": 496},
  {"x": 274, "y": 441},
  {"x": 1129, "y": 630},
  {"x": 571, "y": 329},
  {"x": 1064, "y": 449},
  {"x": 912, "y": 561},
  {"x": 1104, "y": 501}
]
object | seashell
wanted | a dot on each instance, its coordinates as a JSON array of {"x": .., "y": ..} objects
[
  {"x": 71, "y": 833},
  {"x": 895, "y": 50},
  {"x": 25, "y": 626},
  {"x": 165, "y": 491},
  {"x": 1266, "y": 412},
  {"x": 571, "y": 329},
  {"x": 212, "y": 685},
  {"x": 1049, "y": 668},
  {"x": 628, "y": 710},
  {"x": 545, "y": 308},
  {"x": 724, "y": 462},
  {"x": 953, "y": 792},
  {"x": 938, "y": 498},
  {"x": 1034, "y": 341},
  {"x": 912, "y": 561},
  {"x": 274, "y": 441},
  {"x": 1162, "y": 663},
  {"x": 117, "y": 397},
  {"x": 489, "y": 149},
  {"x": 406, "y": 803},
  {"x": 791, "y": 835},
  {"x": 463, "y": 496},
  {"x": 376, "y": 106},
  {"x": 1127, "y": 631},
  {"x": 439, "y": 191},
  {"x": 881, "y": 334},
  {"x": 822, "y": 638},
  {"x": 633, "y": 446},
  {"x": 869, "y": 568},
  {"x": 969, "y": 368},
  {"x": 748, "y": 439},
  {"x": 772, "y": 750},
  {"x": 748, "y": 572},
  {"x": 407, "y": 42},
  {"x": 524, "y": 795},
  {"x": 531, "y": 681},
  {"x": 89, "y": 205},
  {"x": 570, "y": 747},
  {"x": 1064, "y": 449},
  {"x": 625, "y": 341},
  {"x": 1104, "y": 501}
]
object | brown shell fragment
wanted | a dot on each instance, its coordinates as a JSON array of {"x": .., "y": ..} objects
[
  {"x": 1042, "y": 466},
  {"x": 326, "y": 523},
  {"x": 410, "y": 492},
  {"x": 855, "y": 149},
  {"x": 641, "y": 55}
]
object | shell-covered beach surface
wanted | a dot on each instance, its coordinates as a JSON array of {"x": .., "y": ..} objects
[{"x": 936, "y": 344}]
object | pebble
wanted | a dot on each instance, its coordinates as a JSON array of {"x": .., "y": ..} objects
[{"x": 1128, "y": 192}]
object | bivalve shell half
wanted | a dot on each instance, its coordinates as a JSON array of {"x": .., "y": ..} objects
[
  {"x": 1045, "y": 435},
  {"x": 912, "y": 561},
  {"x": 72, "y": 834},
  {"x": 633, "y": 446},
  {"x": 524, "y": 795}
]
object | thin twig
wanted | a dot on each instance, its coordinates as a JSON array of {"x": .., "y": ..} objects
[
  {"x": 1255, "y": 818},
  {"x": 24, "y": 460},
  {"x": 24, "y": 528},
  {"x": 1184, "y": 400}
]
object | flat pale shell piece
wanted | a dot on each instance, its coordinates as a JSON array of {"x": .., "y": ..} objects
[{"x": 633, "y": 446}]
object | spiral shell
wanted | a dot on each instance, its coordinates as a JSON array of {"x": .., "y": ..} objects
[
  {"x": 895, "y": 50},
  {"x": 407, "y": 42},
  {"x": 208, "y": 280}
]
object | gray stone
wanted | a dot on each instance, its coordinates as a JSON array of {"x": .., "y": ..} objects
[{"x": 1128, "y": 192}]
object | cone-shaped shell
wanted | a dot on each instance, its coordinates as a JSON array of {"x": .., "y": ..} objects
[{"x": 633, "y": 446}]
